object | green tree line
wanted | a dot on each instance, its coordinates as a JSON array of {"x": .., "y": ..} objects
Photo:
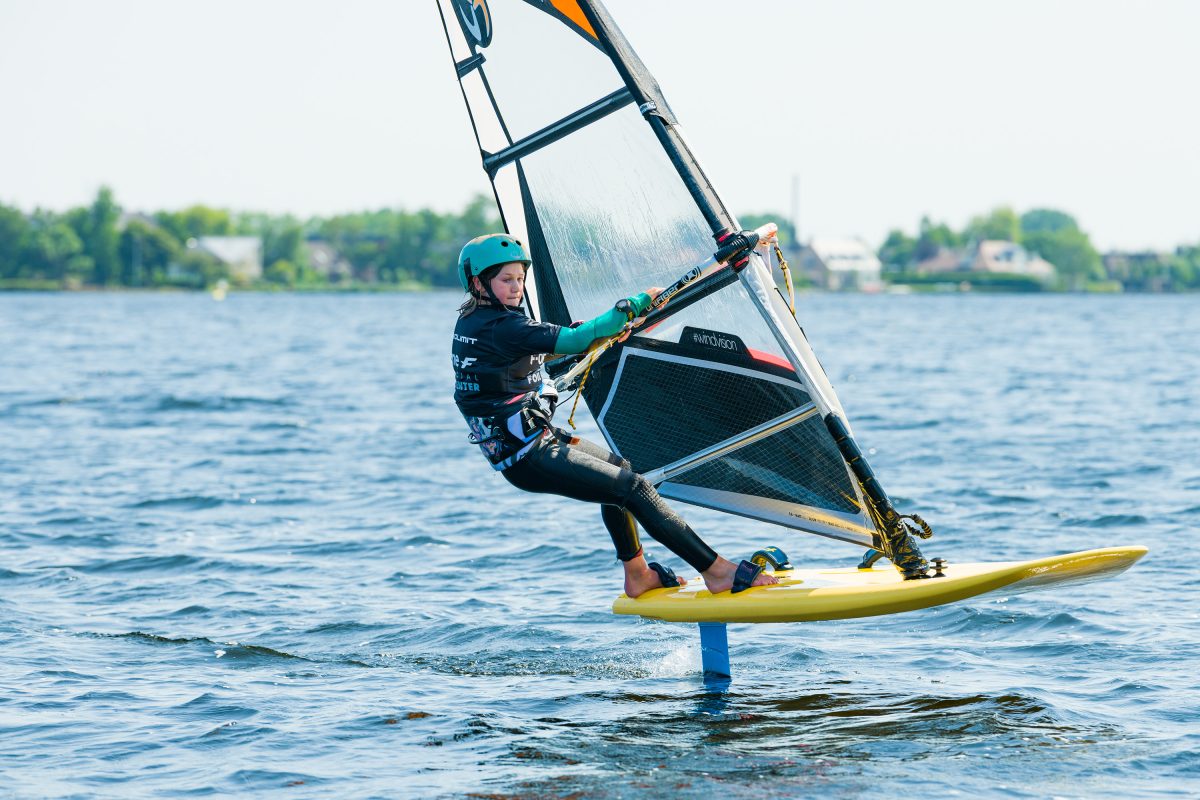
[
  {"x": 1055, "y": 236},
  {"x": 97, "y": 245}
]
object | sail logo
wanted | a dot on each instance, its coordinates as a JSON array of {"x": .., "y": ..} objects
[
  {"x": 678, "y": 287},
  {"x": 716, "y": 339},
  {"x": 475, "y": 20}
]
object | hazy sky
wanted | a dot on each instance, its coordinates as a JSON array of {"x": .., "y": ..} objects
[{"x": 886, "y": 110}]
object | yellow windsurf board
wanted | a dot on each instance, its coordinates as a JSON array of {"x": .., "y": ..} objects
[{"x": 807, "y": 595}]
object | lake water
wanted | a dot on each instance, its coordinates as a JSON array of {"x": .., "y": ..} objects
[{"x": 246, "y": 550}]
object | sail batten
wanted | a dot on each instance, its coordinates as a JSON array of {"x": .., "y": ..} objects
[
  {"x": 731, "y": 444},
  {"x": 464, "y": 67},
  {"x": 661, "y": 119},
  {"x": 564, "y": 127}
]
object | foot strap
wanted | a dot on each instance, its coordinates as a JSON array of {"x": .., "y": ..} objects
[
  {"x": 666, "y": 575},
  {"x": 743, "y": 579}
]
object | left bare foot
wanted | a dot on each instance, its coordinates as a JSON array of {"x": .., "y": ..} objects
[{"x": 640, "y": 579}]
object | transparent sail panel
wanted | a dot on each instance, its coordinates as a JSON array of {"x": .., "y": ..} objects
[
  {"x": 539, "y": 69},
  {"x": 617, "y": 220},
  {"x": 615, "y": 214}
]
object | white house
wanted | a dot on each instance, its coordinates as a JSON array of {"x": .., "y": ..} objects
[
  {"x": 839, "y": 264},
  {"x": 242, "y": 254},
  {"x": 995, "y": 255}
]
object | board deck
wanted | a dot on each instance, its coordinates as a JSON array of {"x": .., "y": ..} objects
[{"x": 808, "y": 595}]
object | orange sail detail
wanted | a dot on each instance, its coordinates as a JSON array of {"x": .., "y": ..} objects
[{"x": 571, "y": 10}]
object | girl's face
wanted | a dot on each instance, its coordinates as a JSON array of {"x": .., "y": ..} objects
[{"x": 509, "y": 284}]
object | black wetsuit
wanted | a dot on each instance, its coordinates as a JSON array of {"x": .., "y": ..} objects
[{"x": 501, "y": 390}]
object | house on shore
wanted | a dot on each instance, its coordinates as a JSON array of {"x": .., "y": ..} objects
[
  {"x": 945, "y": 259},
  {"x": 841, "y": 264},
  {"x": 326, "y": 260},
  {"x": 996, "y": 255},
  {"x": 991, "y": 255},
  {"x": 1144, "y": 270},
  {"x": 243, "y": 255}
]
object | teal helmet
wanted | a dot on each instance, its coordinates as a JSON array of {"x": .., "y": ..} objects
[{"x": 487, "y": 251}]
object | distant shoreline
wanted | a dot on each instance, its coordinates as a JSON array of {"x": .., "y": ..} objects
[
  {"x": 898, "y": 290},
  {"x": 37, "y": 286}
]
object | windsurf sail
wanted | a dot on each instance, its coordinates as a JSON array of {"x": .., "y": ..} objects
[{"x": 718, "y": 398}]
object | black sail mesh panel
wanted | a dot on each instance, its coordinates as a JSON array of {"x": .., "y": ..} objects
[
  {"x": 796, "y": 465},
  {"x": 665, "y": 406}
]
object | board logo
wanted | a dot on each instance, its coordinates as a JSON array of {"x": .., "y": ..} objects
[{"x": 476, "y": 21}]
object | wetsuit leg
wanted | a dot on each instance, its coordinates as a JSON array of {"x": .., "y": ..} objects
[
  {"x": 619, "y": 522},
  {"x": 622, "y": 527},
  {"x": 554, "y": 466}
]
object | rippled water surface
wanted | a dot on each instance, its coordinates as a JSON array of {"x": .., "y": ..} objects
[{"x": 245, "y": 549}]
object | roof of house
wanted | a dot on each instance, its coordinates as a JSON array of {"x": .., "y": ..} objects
[
  {"x": 232, "y": 249},
  {"x": 845, "y": 255},
  {"x": 997, "y": 255},
  {"x": 946, "y": 259}
]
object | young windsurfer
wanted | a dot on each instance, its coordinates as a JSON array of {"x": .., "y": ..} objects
[{"x": 508, "y": 403}]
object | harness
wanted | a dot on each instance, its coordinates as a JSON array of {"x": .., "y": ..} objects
[
  {"x": 506, "y": 439},
  {"x": 507, "y": 404}
]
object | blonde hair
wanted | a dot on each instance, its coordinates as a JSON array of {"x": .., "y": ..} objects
[{"x": 469, "y": 305}]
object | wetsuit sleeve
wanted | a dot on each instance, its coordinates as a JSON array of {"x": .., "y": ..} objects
[
  {"x": 515, "y": 335},
  {"x": 579, "y": 338}
]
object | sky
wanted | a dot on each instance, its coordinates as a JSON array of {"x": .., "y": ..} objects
[{"x": 881, "y": 111}]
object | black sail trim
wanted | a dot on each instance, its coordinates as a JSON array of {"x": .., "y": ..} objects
[
  {"x": 463, "y": 89},
  {"x": 548, "y": 8},
  {"x": 555, "y": 131},
  {"x": 550, "y": 295}
]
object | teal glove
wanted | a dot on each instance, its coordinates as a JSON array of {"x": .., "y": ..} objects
[
  {"x": 641, "y": 303},
  {"x": 610, "y": 323}
]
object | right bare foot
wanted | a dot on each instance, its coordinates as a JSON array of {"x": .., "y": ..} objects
[{"x": 719, "y": 577}]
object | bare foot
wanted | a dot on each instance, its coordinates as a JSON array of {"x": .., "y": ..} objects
[
  {"x": 639, "y": 578},
  {"x": 719, "y": 577}
]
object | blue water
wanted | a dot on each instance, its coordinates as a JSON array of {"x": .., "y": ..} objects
[{"x": 245, "y": 550}]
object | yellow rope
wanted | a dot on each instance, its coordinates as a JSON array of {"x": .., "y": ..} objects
[
  {"x": 787, "y": 276},
  {"x": 579, "y": 392},
  {"x": 592, "y": 356}
]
